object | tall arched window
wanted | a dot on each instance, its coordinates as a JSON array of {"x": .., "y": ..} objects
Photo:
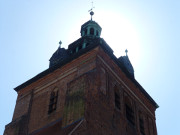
[
  {"x": 151, "y": 126},
  {"x": 117, "y": 98},
  {"x": 80, "y": 47},
  {"x": 129, "y": 111},
  {"x": 97, "y": 33},
  {"x": 85, "y": 31},
  {"x": 91, "y": 31},
  {"x": 141, "y": 124},
  {"x": 53, "y": 101},
  {"x": 87, "y": 44}
]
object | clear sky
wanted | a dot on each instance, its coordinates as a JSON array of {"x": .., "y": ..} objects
[{"x": 31, "y": 29}]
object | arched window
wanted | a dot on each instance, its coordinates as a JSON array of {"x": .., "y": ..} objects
[
  {"x": 80, "y": 47},
  {"x": 103, "y": 77},
  {"x": 151, "y": 126},
  {"x": 141, "y": 124},
  {"x": 97, "y": 33},
  {"x": 92, "y": 31},
  {"x": 85, "y": 31},
  {"x": 84, "y": 45},
  {"x": 87, "y": 44},
  {"x": 53, "y": 101},
  {"x": 117, "y": 98},
  {"x": 74, "y": 50},
  {"x": 129, "y": 111}
]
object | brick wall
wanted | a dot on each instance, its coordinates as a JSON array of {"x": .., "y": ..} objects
[{"x": 99, "y": 76}]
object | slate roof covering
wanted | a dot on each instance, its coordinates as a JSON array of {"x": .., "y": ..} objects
[
  {"x": 93, "y": 42},
  {"x": 125, "y": 62},
  {"x": 59, "y": 55}
]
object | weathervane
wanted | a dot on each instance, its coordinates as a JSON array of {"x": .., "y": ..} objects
[
  {"x": 126, "y": 51},
  {"x": 91, "y": 11},
  {"x": 59, "y": 47}
]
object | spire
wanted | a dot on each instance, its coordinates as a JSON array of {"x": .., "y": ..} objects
[
  {"x": 91, "y": 11},
  {"x": 126, "y": 51},
  {"x": 60, "y": 44}
]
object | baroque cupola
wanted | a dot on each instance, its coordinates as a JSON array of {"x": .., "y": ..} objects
[
  {"x": 90, "y": 37},
  {"x": 91, "y": 28}
]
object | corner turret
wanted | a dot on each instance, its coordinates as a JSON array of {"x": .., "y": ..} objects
[
  {"x": 59, "y": 55},
  {"x": 125, "y": 62}
]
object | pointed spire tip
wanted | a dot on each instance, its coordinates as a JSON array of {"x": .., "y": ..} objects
[{"x": 126, "y": 51}]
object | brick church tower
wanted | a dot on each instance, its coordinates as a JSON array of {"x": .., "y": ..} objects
[{"x": 86, "y": 90}]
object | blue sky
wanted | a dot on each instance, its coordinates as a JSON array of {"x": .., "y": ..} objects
[{"x": 31, "y": 29}]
